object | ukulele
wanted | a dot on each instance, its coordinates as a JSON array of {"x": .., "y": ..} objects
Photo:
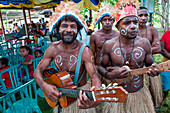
[
  {"x": 64, "y": 84},
  {"x": 165, "y": 66}
]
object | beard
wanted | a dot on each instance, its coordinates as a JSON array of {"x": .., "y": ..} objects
[
  {"x": 61, "y": 36},
  {"x": 128, "y": 37}
]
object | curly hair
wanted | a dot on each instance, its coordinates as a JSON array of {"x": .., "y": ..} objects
[{"x": 69, "y": 18}]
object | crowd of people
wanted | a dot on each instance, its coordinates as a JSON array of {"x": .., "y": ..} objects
[{"x": 133, "y": 44}]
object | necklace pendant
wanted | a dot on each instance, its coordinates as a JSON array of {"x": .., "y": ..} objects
[{"x": 127, "y": 62}]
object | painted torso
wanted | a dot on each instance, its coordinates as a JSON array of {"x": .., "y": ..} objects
[
  {"x": 136, "y": 60},
  {"x": 66, "y": 61},
  {"x": 100, "y": 39}
]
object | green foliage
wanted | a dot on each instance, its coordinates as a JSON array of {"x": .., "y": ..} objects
[{"x": 112, "y": 2}]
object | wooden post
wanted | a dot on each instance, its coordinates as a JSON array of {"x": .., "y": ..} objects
[
  {"x": 25, "y": 20},
  {"x": 2, "y": 26},
  {"x": 90, "y": 13},
  {"x": 53, "y": 8},
  {"x": 29, "y": 15}
]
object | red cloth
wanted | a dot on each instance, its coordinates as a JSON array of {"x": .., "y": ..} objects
[
  {"x": 30, "y": 67},
  {"x": 6, "y": 77},
  {"x": 166, "y": 39}
]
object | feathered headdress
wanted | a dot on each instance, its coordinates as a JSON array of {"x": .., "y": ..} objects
[
  {"x": 105, "y": 10},
  {"x": 65, "y": 8},
  {"x": 126, "y": 8}
]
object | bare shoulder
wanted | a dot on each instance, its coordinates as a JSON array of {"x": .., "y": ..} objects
[
  {"x": 53, "y": 47},
  {"x": 152, "y": 29},
  {"x": 109, "y": 44},
  {"x": 115, "y": 33},
  {"x": 96, "y": 33},
  {"x": 143, "y": 42}
]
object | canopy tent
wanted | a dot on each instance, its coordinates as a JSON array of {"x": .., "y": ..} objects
[
  {"x": 18, "y": 4},
  {"x": 30, "y": 4}
]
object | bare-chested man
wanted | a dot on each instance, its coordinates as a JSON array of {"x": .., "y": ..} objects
[
  {"x": 148, "y": 32},
  {"x": 65, "y": 54},
  {"x": 151, "y": 34},
  {"x": 99, "y": 37},
  {"x": 133, "y": 51}
]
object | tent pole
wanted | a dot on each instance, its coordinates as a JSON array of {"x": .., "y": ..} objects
[
  {"x": 26, "y": 28},
  {"x": 29, "y": 15},
  {"x": 2, "y": 26}
]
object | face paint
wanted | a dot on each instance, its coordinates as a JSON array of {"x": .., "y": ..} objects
[{"x": 124, "y": 32}]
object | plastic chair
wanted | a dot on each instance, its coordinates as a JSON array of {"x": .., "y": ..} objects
[
  {"x": 21, "y": 100},
  {"x": 36, "y": 61},
  {"x": 43, "y": 44},
  {"x": 15, "y": 71}
]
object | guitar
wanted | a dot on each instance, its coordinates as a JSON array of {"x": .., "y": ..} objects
[
  {"x": 165, "y": 66},
  {"x": 64, "y": 84}
]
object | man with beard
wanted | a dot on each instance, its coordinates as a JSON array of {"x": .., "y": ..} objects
[
  {"x": 69, "y": 55},
  {"x": 151, "y": 33},
  {"x": 133, "y": 51}
]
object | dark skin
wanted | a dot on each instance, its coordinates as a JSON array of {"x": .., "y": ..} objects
[
  {"x": 166, "y": 54},
  {"x": 99, "y": 37},
  {"x": 150, "y": 32},
  {"x": 128, "y": 28},
  {"x": 65, "y": 56}
]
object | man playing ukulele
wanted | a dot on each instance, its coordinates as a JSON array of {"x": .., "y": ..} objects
[
  {"x": 133, "y": 51},
  {"x": 66, "y": 54}
]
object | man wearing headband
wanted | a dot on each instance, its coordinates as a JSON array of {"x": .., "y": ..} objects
[
  {"x": 98, "y": 38},
  {"x": 69, "y": 55},
  {"x": 133, "y": 51},
  {"x": 106, "y": 18},
  {"x": 151, "y": 33}
]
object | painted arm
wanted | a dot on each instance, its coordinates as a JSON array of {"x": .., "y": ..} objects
[
  {"x": 156, "y": 46},
  {"x": 88, "y": 59},
  {"x": 50, "y": 90},
  {"x": 92, "y": 43},
  {"x": 164, "y": 52}
]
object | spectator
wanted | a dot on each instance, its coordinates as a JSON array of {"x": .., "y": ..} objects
[
  {"x": 38, "y": 53},
  {"x": 165, "y": 51},
  {"x": 26, "y": 52},
  {"x": 17, "y": 35},
  {"x": 5, "y": 76}
]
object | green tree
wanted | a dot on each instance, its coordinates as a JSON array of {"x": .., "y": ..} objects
[{"x": 162, "y": 9}]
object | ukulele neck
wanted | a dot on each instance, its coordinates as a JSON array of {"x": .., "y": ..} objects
[{"x": 75, "y": 93}]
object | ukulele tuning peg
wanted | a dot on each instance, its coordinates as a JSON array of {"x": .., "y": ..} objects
[
  {"x": 109, "y": 86},
  {"x": 114, "y": 85},
  {"x": 103, "y": 86}
]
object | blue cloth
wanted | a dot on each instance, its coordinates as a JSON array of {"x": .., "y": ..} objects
[
  {"x": 165, "y": 80},
  {"x": 17, "y": 35},
  {"x": 106, "y": 14}
]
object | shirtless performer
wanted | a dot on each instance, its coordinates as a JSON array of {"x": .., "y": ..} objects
[
  {"x": 99, "y": 37},
  {"x": 133, "y": 51},
  {"x": 151, "y": 33},
  {"x": 67, "y": 57}
]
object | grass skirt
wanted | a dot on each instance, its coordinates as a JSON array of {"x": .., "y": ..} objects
[
  {"x": 155, "y": 87},
  {"x": 73, "y": 107},
  {"x": 138, "y": 102}
]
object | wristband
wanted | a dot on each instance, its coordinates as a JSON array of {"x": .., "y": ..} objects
[{"x": 105, "y": 75}]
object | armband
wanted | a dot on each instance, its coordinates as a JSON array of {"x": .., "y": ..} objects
[{"x": 105, "y": 75}]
